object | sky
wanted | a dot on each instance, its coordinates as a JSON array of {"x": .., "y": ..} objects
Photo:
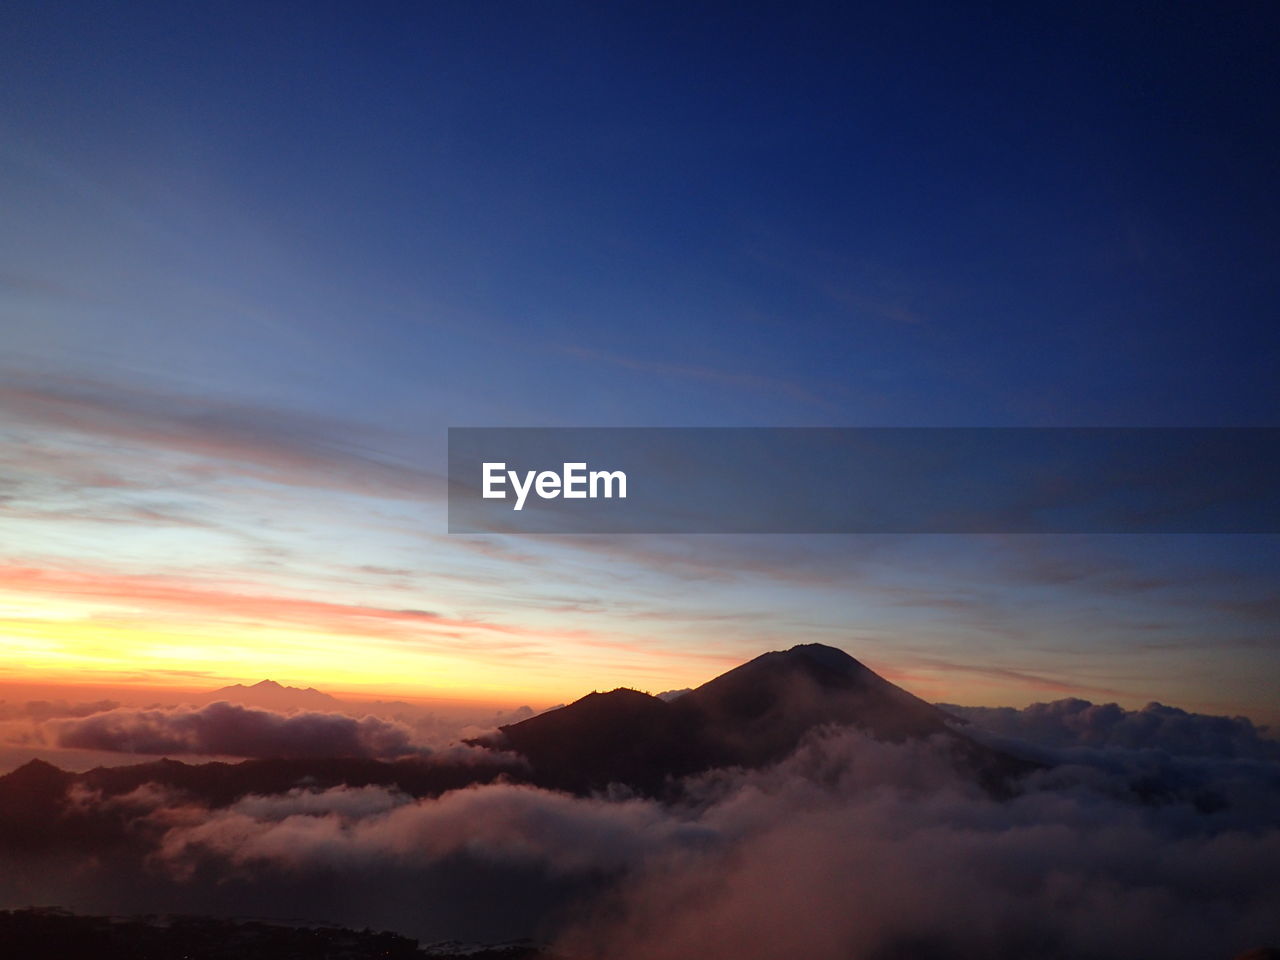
[{"x": 254, "y": 261}]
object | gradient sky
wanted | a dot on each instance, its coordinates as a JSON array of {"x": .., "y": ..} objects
[{"x": 255, "y": 259}]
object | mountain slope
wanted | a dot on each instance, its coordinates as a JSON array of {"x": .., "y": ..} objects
[
  {"x": 42, "y": 808},
  {"x": 752, "y": 715},
  {"x": 623, "y": 736},
  {"x": 758, "y": 712}
]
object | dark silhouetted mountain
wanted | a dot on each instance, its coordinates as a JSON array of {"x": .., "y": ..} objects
[
  {"x": 623, "y": 736},
  {"x": 218, "y": 784},
  {"x": 751, "y": 716},
  {"x": 275, "y": 696},
  {"x": 51, "y": 932},
  {"x": 56, "y": 933},
  {"x": 36, "y": 777},
  {"x": 38, "y": 808},
  {"x": 758, "y": 711},
  {"x": 31, "y": 799}
]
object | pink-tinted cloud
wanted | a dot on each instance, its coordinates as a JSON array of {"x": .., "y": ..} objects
[
  {"x": 229, "y": 729},
  {"x": 1022, "y": 678},
  {"x": 221, "y": 601},
  {"x": 502, "y": 822},
  {"x": 849, "y": 848}
]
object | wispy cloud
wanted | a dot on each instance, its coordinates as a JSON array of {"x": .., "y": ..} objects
[
  {"x": 223, "y": 602},
  {"x": 754, "y": 383},
  {"x": 267, "y": 443},
  {"x": 1022, "y": 678}
]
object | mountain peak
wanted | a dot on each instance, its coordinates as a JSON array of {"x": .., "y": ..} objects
[
  {"x": 822, "y": 662},
  {"x": 754, "y": 714},
  {"x": 37, "y": 777},
  {"x": 37, "y": 767},
  {"x": 785, "y": 672},
  {"x": 275, "y": 696},
  {"x": 831, "y": 657}
]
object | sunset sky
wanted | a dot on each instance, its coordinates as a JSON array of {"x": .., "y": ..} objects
[{"x": 255, "y": 260}]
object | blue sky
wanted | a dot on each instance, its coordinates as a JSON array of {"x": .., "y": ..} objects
[{"x": 254, "y": 261}]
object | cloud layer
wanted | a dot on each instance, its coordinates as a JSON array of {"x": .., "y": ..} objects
[
  {"x": 229, "y": 729},
  {"x": 1078, "y": 723},
  {"x": 859, "y": 849},
  {"x": 849, "y": 848}
]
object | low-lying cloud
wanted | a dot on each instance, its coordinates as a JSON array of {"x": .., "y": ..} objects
[
  {"x": 850, "y": 848},
  {"x": 39, "y": 710},
  {"x": 229, "y": 729},
  {"x": 1074, "y": 722},
  {"x": 81, "y": 735},
  {"x": 859, "y": 849},
  {"x": 363, "y": 828}
]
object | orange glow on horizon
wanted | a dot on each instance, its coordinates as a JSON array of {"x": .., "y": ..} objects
[{"x": 89, "y": 628}]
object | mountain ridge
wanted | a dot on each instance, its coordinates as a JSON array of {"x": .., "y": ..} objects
[
  {"x": 750, "y": 716},
  {"x": 273, "y": 695}
]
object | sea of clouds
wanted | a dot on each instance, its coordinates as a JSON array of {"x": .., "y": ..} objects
[{"x": 849, "y": 848}]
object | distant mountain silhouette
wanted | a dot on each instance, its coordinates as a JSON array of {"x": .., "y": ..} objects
[
  {"x": 52, "y": 932},
  {"x": 275, "y": 696},
  {"x": 751, "y": 716},
  {"x": 35, "y": 812}
]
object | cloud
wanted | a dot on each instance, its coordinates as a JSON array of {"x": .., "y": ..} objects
[
  {"x": 849, "y": 848},
  {"x": 1073, "y": 722},
  {"x": 1022, "y": 678},
  {"x": 857, "y": 849},
  {"x": 234, "y": 601},
  {"x": 505, "y": 823},
  {"x": 46, "y": 709},
  {"x": 271, "y": 444},
  {"x": 229, "y": 729},
  {"x": 380, "y": 730}
]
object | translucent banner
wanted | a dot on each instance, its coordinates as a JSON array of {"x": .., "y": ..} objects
[{"x": 864, "y": 480}]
